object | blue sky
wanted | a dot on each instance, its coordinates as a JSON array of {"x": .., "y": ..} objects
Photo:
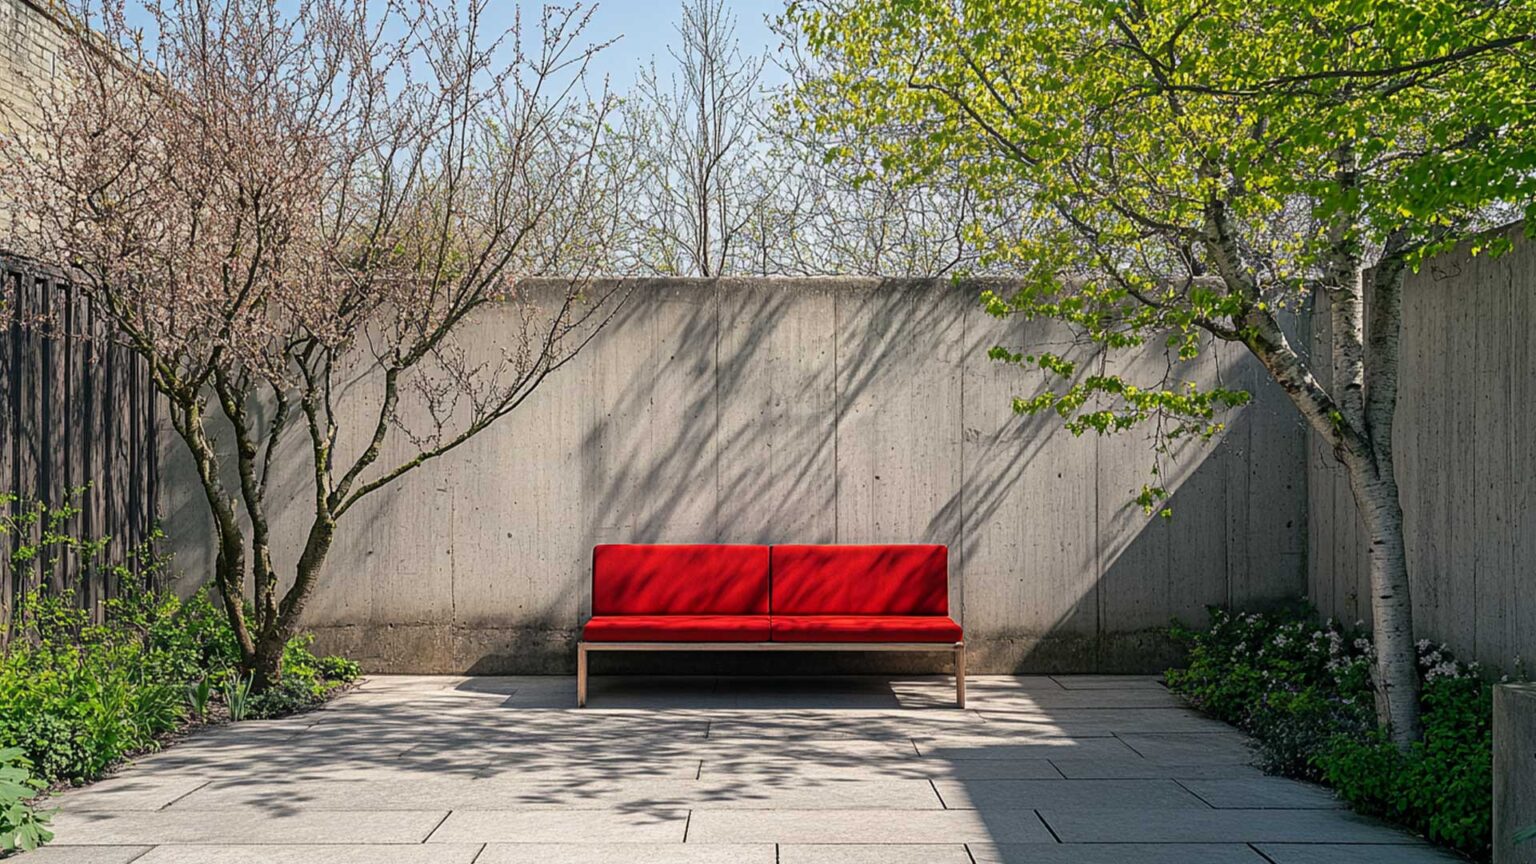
[
  {"x": 647, "y": 26},
  {"x": 642, "y": 28}
]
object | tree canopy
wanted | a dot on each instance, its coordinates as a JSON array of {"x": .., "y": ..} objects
[
  {"x": 1187, "y": 164},
  {"x": 1191, "y": 171}
]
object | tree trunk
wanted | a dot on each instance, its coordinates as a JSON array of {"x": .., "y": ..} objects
[
  {"x": 1367, "y": 459},
  {"x": 266, "y": 663},
  {"x": 229, "y": 563},
  {"x": 1396, "y": 664}
]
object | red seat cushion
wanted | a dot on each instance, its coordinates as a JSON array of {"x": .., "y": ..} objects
[
  {"x": 632, "y": 579},
  {"x": 860, "y": 580},
  {"x": 677, "y": 628},
  {"x": 865, "y": 628}
]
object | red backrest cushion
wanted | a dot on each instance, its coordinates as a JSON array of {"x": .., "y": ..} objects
[
  {"x": 631, "y": 579},
  {"x": 860, "y": 580}
]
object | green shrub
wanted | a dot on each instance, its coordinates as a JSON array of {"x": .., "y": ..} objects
[
  {"x": 307, "y": 680},
  {"x": 77, "y": 696},
  {"x": 338, "y": 669},
  {"x": 76, "y": 708},
  {"x": 237, "y": 696},
  {"x": 1443, "y": 785},
  {"x": 22, "y": 826},
  {"x": 290, "y": 695},
  {"x": 199, "y": 697},
  {"x": 1303, "y": 691}
]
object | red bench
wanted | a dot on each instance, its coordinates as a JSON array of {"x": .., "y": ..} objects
[{"x": 762, "y": 598}]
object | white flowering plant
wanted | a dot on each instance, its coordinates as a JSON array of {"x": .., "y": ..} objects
[{"x": 1303, "y": 689}]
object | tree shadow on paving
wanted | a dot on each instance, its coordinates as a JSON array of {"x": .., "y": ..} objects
[{"x": 1029, "y": 756}]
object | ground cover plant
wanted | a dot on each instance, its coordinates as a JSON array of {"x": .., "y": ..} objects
[
  {"x": 81, "y": 690},
  {"x": 1303, "y": 690},
  {"x": 22, "y": 826},
  {"x": 77, "y": 697}
]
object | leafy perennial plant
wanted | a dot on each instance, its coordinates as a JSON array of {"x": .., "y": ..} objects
[
  {"x": 81, "y": 692},
  {"x": 22, "y": 827},
  {"x": 1302, "y": 689}
]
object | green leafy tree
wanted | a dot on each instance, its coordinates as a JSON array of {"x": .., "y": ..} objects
[{"x": 1194, "y": 171}]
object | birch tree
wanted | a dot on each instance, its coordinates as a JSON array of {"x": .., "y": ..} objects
[
  {"x": 277, "y": 206},
  {"x": 1195, "y": 170}
]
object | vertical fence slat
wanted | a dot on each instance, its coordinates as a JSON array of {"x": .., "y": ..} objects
[
  {"x": 10, "y": 438},
  {"x": 78, "y": 411}
]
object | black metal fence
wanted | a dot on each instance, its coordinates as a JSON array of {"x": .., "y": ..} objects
[{"x": 76, "y": 410}]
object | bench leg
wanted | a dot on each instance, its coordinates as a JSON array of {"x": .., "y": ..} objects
[
  {"x": 581, "y": 675},
  {"x": 960, "y": 675}
]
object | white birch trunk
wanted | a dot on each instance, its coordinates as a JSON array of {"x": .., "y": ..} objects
[
  {"x": 1365, "y": 450},
  {"x": 1396, "y": 667}
]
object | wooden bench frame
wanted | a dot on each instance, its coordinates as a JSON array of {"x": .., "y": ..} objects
[{"x": 956, "y": 648}]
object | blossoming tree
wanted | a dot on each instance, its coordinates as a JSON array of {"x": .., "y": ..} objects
[{"x": 274, "y": 204}]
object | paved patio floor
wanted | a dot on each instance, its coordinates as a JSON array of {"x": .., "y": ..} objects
[{"x": 1044, "y": 770}]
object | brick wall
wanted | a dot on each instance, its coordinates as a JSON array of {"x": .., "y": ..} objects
[
  {"x": 31, "y": 45},
  {"x": 31, "y": 50}
]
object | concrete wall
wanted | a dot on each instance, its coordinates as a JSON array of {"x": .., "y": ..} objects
[
  {"x": 1465, "y": 458},
  {"x": 1514, "y": 771},
  {"x": 801, "y": 411}
]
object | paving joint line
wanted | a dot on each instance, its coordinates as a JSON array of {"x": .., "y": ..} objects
[
  {"x": 183, "y": 795},
  {"x": 1041, "y": 817},
  {"x": 1180, "y": 783},
  {"x": 687, "y": 823},
  {"x": 966, "y": 846},
  {"x": 1260, "y": 852},
  {"x": 1116, "y": 736},
  {"x": 936, "y": 792},
  {"x": 434, "y": 828},
  {"x": 478, "y": 853}
]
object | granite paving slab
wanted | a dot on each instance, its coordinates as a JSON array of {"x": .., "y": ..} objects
[
  {"x": 874, "y": 853},
  {"x": 866, "y": 827},
  {"x": 1209, "y": 749},
  {"x": 251, "y": 825},
  {"x": 1263, "y": 792},
  {"x": 959, "y": 748},
  {"x": 1037, "y": 794},
  {"x": 1118, "y": 853},
  {"x": 510, "y": 792},
  {"x": 1326, "y": 853},
  {"x": 545, "y": 826},
  {"x": 1154, "y": 825},
  {"x": 915, "y": 768},
  {"x": 627, "y": 853},
  {"x": 1109, "y": 682},
  {"x": 86, "y": 855},
  {"x": 371, "y": 853},
  {"x": 684, "y": 770}
]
